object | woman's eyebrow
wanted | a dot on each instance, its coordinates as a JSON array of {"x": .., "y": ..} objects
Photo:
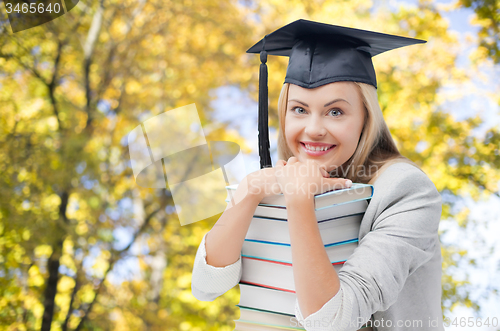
[
  {"x": 305, "y": 104},
  {"x": 326, "y": 104},
  {"x": 333, "y": 101}
]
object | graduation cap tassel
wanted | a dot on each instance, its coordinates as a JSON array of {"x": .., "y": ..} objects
[{"x": 265, "y": 156}]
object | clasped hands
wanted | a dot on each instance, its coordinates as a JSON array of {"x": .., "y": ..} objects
[{"x": 295, "y": 179}]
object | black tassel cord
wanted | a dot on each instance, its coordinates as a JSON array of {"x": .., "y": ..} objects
[{"x": 265, "y": 155}]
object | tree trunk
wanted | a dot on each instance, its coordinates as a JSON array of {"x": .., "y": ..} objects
[
  {"x": 51, "y": 289},
  {"x": 53, "y": 269}
]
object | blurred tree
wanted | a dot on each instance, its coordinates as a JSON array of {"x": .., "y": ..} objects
[
  {"x": 71, "y": 91},
  {"x": 488, "y": 17},
  {"x": 70, "y": 211}
]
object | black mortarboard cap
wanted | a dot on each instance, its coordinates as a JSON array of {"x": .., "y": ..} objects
[{"x": 319, "y": 54}]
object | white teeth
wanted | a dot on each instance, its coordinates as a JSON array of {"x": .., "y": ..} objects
[{"x": 312, "y": 148}]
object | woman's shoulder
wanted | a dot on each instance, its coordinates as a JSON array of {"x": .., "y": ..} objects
[
  {"x": 398, "y": 170},
  {"x": 403, "y": 178},
  {"x": 402, "y": 187}
]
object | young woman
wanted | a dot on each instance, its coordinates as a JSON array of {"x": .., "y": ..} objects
[{"x": 335, "y": 128}]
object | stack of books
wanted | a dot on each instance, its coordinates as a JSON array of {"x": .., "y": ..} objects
[{"x": 267, "y": 290}]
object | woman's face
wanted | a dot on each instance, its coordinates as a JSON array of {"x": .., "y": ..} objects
[{"x": 330, "y": 116}]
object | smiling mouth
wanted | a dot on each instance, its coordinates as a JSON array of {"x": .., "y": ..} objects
[{"x": 317, "y": 149}]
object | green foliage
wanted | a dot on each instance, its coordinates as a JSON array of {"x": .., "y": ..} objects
[{"x": 488, "y": 17}]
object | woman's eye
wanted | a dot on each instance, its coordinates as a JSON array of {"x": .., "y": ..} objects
[
  {"x": 298, "y": 110},
  {"x": 335, "y": 112}
]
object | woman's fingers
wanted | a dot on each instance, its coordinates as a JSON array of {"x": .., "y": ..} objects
[
  {"x": 322, "y": 168},
  {"x": 331, "y": 184},
  {"x": 341, "y": 183},
  {"x": 280, "y": 163},
  {"x": 324, "y": 172},
  {"x": 292, "y": 160}
]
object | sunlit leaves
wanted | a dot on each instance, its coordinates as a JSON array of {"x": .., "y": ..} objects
[{"x": 488, "y": 18}]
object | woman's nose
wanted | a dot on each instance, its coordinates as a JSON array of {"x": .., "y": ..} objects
[{"x": 315, "y": 127}]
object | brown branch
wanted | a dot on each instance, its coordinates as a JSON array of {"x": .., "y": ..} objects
[
  {"x": 25, "y": 66},
  {"x": 72, "y": 301},
  {"x": 73, "y": 296},
  {"x": 482, "y": 185},
  {"x": 88, "y": 50},
  {"x": 50, "y": 85},
  {"x": 53, "y": 83},
  {"x": 475, "y": 182}
]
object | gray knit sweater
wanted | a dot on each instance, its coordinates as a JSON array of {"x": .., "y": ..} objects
[{"x": 393, "y": 276}]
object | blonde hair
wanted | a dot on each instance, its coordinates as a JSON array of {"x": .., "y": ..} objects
[{"x": 376, "y": 149}]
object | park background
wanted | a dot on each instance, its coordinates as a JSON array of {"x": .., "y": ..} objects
[{"x": 82, "y": 247}]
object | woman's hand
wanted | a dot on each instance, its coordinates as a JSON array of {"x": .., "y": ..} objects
[
  {"x": 299, "y": 180},
  {"x": 262, "y": 183}
]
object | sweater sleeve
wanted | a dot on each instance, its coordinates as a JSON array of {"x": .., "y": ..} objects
[
  {"x": 209, "y": 282},
  {"x": 406, "y": 209},
  {"x": 329, "y": 311}
]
